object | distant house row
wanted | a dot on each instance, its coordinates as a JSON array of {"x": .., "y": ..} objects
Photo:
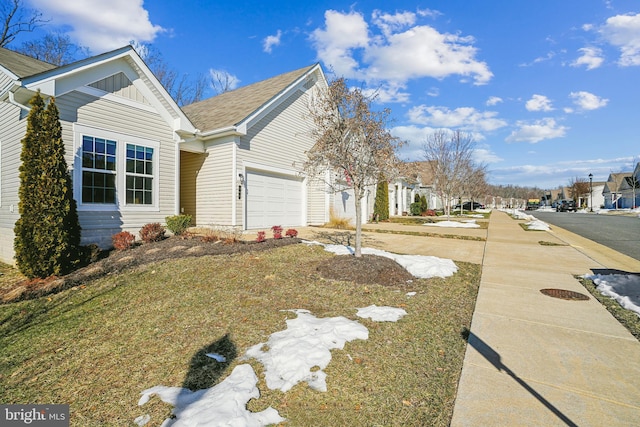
[{"x": 619, "y": 191}]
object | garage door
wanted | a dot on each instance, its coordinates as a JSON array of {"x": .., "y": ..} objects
[{"x": 273, "y": 200}]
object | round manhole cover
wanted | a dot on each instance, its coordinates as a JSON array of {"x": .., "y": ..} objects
[{"x": 564, "y": 294}]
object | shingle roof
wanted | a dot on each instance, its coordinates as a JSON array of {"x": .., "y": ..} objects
[
  {"x": 231, "y": 108},
  {"x": 417, "y": 171},
  {"x": 22, "y": 65}
]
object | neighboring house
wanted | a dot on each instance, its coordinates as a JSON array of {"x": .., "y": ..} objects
[
  {"x": 122, "y": 134},
  {"x": 415, "y": 178},
  {"x": 613, "y": 188},
  {"x": 241, "y": 167},
  {"x": 630, "y": 189}
]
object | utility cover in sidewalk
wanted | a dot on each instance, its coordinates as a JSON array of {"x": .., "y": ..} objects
[{"x": 564, "y": 294}]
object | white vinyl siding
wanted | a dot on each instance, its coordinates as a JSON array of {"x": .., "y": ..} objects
[
  {"x": 12, "y": 130},
  {"x": 108, "y": 119}
]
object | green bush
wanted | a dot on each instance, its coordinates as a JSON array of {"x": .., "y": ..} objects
[
  {"x": 178, "y": 224},
  {"x": 47, "y": 234},
  {"x": 381, "y": 206},
  {"x": 423, "y": 203},
  {"x": 415, "y": 209}
]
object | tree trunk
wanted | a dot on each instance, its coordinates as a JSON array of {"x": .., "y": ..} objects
[{"x": 358, "y": 199}]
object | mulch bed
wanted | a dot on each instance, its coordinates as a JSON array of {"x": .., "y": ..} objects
[{"x": 368, "y": 269}]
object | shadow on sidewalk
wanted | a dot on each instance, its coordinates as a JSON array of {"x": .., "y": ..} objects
[{"x": 494, "y": 358}]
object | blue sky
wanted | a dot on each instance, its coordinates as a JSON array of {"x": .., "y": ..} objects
[{"x": 549, "y": 89}]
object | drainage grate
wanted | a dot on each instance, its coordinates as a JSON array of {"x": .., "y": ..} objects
[{"x": 564, "y": 294}]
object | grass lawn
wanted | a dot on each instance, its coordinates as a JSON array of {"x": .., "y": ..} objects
[{"x": 97, "y": 346}]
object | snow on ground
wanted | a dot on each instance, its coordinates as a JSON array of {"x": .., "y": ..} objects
[
  {"x": 381, "y": 314},
  {"x": 289, "y": 356},
  {"x": 306, "y": 343},
  {"x": 471, "y": 223},
  {"x": 536, "y": 224},
  {"x": 624, "y": 288},
  {"x": 421, "y": 266}
]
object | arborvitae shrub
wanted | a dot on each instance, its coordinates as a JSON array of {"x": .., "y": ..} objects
[
  {"x": 178, "y": 224},
  {"x": 153, "y": 232},
  {"x": 423, "y": 203},
  {"x": 47, "y": 234},
  {"x": 381, "y": 206},
  {"x": 123, "y": 240},
  {"x": 415, "y": 208}
]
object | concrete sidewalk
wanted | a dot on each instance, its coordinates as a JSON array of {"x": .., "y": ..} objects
[{"x": 534, "y": 360}]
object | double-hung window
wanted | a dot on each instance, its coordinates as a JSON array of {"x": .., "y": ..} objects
[
  {"x": 139, "y": 181},
  {"x": 115, "y": 170}
]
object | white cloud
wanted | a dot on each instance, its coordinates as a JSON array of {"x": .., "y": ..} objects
[
  {"x": 623, "y": 32},
  {"x": 389, "y": 24},
  {"x": 539, "y": 103},
  {"x": 588, "y": 101},
  {"x": 400, "y": 51},
  {"x": 387, "y": 93},
  {"x": 485, "y": 155},
  {"x": 464, "y": 118},
  {"x": 493, "y": 100},
  {"x": 335, "y": 43},
  {"x": 116, "y": 24},
  {"x": 270, "y": 41},
  {"x": 591, "y": 58},
  {"x": 537, "y": 131}
]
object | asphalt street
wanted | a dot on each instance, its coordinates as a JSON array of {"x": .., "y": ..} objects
[{"x": 620, "y": 233}]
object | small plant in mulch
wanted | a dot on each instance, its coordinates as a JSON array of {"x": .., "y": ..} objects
[
  {"x": 292, "y": 232},
  {"x": 123, "y": 241},
  {"x": 277, "y": 232},
  {"x": 153, "y": 232},
  {"x": 261, "y": 236}
]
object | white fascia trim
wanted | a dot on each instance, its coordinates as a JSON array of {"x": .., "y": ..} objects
[{"x": 272, "y": 169}]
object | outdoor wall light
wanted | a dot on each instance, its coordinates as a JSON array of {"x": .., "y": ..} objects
[{"x": 241, "y": 178}]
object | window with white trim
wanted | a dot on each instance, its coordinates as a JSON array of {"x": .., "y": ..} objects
[
  {"x": 98, "y": 170},
  {"x": 139, "y": 180},
  {"x": 115, "y": 170}
]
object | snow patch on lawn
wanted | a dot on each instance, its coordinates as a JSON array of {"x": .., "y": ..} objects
[
  {"x": 421, "y": 266},
  {"x": 624, "y": 288}
]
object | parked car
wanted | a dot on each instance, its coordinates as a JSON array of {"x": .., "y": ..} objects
[
  {"x": 467, "y": 206},
  {"x": 566, "y": 206}
]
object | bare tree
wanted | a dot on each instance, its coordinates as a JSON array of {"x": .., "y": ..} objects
[
  {"x": 182, "y": 89},
  {"x": 222, "y": 81},
  {"x": 352, "y": 141},
  {"x": 448, "y": 154},
  {"x": 54, "y": 48},
  {"x": 16, "y": 19},
  {"x": 578, "y": 187}
]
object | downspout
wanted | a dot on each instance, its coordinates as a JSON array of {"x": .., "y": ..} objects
[{"x": 12, "y": 100}]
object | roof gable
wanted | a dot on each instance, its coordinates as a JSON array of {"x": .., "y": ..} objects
[
  {"x": 234, "y": 107},
  {"x": 80, "y": 75}
]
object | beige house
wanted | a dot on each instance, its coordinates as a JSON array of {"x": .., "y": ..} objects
[
  {"x": 122, "y": 134},
  {"x": 136, "y": 157}
]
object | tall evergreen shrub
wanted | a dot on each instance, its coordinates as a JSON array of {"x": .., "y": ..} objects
[
  {"x": 47, "y": 234},
  {"x": 381, "y": 206}
]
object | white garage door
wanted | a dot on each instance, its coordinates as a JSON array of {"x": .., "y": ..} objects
[{"x": 273, "y": 200}]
